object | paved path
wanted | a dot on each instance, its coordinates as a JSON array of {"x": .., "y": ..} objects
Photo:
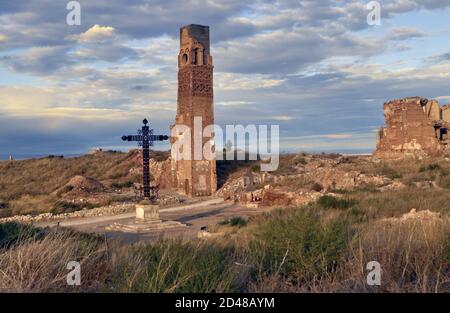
[
  {"x": 195, "y": 216},
  {"x": 79, "y": 221}
]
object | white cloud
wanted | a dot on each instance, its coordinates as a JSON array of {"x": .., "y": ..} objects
[
  {"x": 232, "y": 81},
  {"x": 97, "y": 33},
  {"x": 405, "y": 33},
  {"x": 283, "y": 118}
]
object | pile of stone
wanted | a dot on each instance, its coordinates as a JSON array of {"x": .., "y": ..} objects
[{"x": 83, "y": 185}]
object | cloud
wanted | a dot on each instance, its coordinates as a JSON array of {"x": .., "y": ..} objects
[
  {"x": 283, "y": 118},
  {"x": 282, "y": 51},
  {"x": 440, "y": 58},
  {"x": 313, "y": 67},
  {"x": 405, "y": 33},
  {"x": 97, "y": 34},
  {"x": 38, "y": 60}
]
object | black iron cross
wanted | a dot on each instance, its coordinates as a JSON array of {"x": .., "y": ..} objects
[{"x": 145, "y": 139}]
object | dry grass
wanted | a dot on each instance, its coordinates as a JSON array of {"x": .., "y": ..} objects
[
  {"x": 294, "y": 250},
  {"x": 39, "y": 264},
  {"x": 173, "y": 266},
  {"x": 414, "y": 257},
  {"x": 31, "y": 186}
]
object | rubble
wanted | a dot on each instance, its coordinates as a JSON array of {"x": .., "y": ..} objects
[{"x": 323, "y": 178}]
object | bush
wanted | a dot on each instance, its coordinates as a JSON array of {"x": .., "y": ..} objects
[
  {"x": 31, "y": 265},
  {"x": 430, "y": 167},
  {"x": 256, "y": 168},
  {"x": 298, "y": 245},
  {"x": 412, "y": 254},
  {"x": 11, "y": 232},
  {"x": 335, "y": 203},
  {"x": 390, "y": 172},
  {"x": 67, "y": 207},
  {"x": 235, "y": 221},
  {"x": 120, "y": 185},
  {"x": 172, "y": 266},
  {"x": 300, "y": 160}
]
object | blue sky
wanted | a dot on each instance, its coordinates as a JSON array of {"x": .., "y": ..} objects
[{"x": 313, "y": 67}]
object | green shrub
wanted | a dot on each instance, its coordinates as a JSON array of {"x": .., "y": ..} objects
[
  {"x": 256, "y": 168},
  {"x": 173, "y": 266},
  {"x": 335, "y": 203},
  {"x": 430, "y": 167},
  {"x": 390, "y": 172},
  {"x": 62, "y": 206},
  {"x": 298, "y": 245},
  {"x": 11, "y": 232},
  {"x": 119, "y": 185},
  {"x": 235, "y": 221}
]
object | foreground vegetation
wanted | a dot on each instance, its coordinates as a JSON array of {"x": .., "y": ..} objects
[
  {"x": 309, "y": 249},
  {"x": 321, "y": 247}
]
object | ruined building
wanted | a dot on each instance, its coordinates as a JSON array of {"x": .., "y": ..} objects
[
  {"x": 194, "y": 176},
  {"x": 414, "y": 127}
]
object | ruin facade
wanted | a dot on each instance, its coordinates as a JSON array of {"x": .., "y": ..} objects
[
  {"x": 414, "y": 127},
  {"x": 194, "y": 176}
]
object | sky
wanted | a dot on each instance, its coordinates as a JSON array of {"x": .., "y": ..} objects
[{"x": 315, "y": 68}]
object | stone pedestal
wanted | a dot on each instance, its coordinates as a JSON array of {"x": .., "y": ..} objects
[
  {"x": 147, "y": 220},
  {"x": 146, "y": 212}
]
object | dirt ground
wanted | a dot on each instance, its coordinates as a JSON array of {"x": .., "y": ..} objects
[{"x": 195, "y": 217}]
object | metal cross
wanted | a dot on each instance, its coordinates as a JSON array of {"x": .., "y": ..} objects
[{"x": 145, "y": 139}]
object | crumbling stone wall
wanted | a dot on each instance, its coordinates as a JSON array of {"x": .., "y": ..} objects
[
  {"x": 446, "y": 113},
  {"x": 412, "y": 128}
]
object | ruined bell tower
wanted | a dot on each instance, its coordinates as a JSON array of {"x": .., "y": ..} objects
[{"x": 195, "y": 176}]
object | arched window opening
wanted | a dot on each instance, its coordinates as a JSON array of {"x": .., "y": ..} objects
[
  {"x": 196, "y": 56},
  {"x": 184, "y": 58}
]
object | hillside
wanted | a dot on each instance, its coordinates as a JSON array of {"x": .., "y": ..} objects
[
  {"x": 60, "y": 185},
  {"x": 329, "y": 215},
  {"x": 40, "y": 185}
]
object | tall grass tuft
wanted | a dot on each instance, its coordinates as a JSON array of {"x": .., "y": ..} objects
[
  {"x": 173, "y": 266},
  {"x": 299, "y": 246},
  {"x": 39, "y": 264}
]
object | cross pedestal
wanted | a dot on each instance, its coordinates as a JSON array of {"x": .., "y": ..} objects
[
  {"x": 147, "y": 213},
  {"x": 147, "y": 220}
]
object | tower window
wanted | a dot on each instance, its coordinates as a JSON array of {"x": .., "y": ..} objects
[
  {"x": 185, "y": 58},
  {"x": 195, "y": 56}
]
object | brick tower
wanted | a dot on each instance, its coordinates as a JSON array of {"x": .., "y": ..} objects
[{"x": 196, "y": 176}]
